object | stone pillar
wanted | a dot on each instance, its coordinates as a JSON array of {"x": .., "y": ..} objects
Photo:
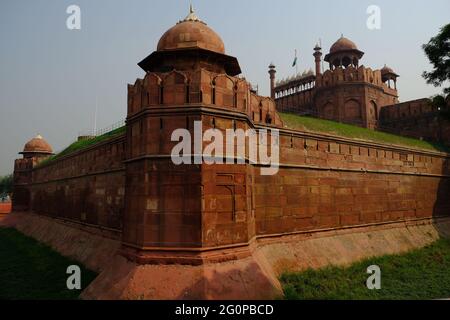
[
  {"x": 272, "y": 73},
  {"x": 318, "y": 55}
]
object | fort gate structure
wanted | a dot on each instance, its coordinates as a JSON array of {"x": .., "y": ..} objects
[
  {"x": 352, "y": 93},
  {"x": 157, "y": 230}
]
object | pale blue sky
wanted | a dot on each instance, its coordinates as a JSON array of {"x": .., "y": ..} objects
[{"x": 50, "y": 76}]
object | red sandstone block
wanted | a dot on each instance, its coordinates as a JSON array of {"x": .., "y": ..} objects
[
  {"x": 313, "y": 155},
  {"x": 329, "y": 181},
  {"x": 334, "y": 148},
  {"x": 304, "y": 224},
  {"x": 345, "y": 208},
  {"x": 409, "y": 214},
  {"x": 325, "y": 190},
  {"x": 299, "y": 143},
  {"x": 350, "y": 219},
  {"x": 334, "y": 160},
  {"x": 332, "y": 221},
  {"x": 344, "y": 149},
  {"x": 343, "y": 191},
  {"x": 304, "y": 211},
  {"x": 273, "y": 212},
  {"x": 326, "y": 209},
  {"x": 347, "y": 182},
  {"x": 360, "y": 190},
  {"x": 364, "y": 152},
  {"x": 312, "y": 181},
  {"x": 355, "y": 165},
  {"x": 376, "y": 190},
  {"x": 344, "y": 199},
  {"x": 393, "y": 215},
  {"x": 370, "y": 217},
  {"x": 354, "y": 150},
  {"x": 425, "y": 212},
  {"x": 372, "y": 153},
  {"x": 311, "y": 144},
  {"x": 317, "y": 162},
  {"x": 322, "y": 146},
  {"x": 273, "y": 226}
]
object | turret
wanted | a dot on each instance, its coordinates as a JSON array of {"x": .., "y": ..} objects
[
  {"x": 34, "y": 151},
  {"x": 272, "y": 73},
  {"x": 318, "y": 59},
  {"x": 344, "y": 53}
]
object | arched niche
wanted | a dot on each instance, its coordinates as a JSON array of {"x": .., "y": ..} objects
[
  {"x": 152, "y": 85},
  {"x": 373, "y": 110},
  {"x": 224, "y": 91},
  {"x": 328, "y": 111},
  {"x": 174, "y": 88},
  {"x": 352, "y": 110}
]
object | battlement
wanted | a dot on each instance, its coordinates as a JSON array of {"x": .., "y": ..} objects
[
  {"x": 350, "y": 74},
  {"x": 407, "y": 109},
  {"x": 184, "y": 88}
]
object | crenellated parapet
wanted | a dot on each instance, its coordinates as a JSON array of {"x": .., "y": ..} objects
[
  {"x": 187, "y": 88},
  {"x": 350, "y": 74}
]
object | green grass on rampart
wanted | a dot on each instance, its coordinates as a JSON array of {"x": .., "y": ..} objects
[
  {"x": 83, "y": 144},
  {"x": 311, "y": 124}
]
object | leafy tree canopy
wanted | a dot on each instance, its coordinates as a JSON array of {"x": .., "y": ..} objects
[
  {"x": 438, "y": 52},
  {"x": 6, "y": 184}
]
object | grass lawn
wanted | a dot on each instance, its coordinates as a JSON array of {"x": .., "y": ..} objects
[
  {"x": 419, "y": 274},
  {"x": 293, "y": 121},
  {"x": 79, "y": 145},
  {"x": 31, "y": 270}
]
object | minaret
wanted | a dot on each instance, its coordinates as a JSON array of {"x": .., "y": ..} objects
[
  {"x": 272, "y": 73},
  {"x": 318, "y": 55}
]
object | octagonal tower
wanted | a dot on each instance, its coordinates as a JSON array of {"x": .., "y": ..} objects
[
  {"x": 190, "y": 213},
  {"x": 34, "y": 151}
]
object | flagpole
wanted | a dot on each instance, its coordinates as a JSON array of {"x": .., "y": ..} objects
[
  {"x": 296, "y": 64},
  {"x": 320, "y": 44}
]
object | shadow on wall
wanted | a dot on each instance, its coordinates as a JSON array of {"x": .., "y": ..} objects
[
  {"x": 442, "y": 204},
  {"x": 233, "y": 281}
]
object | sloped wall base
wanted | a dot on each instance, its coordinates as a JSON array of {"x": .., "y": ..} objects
[{"x": 254, "y": 277}]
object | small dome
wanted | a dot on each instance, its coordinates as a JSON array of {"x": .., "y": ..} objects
[
  {"x": 386, "y": 70},
  {"x": 191, "y": 33},
  {"x": 37, "y": 145},
  {"x": 343, "y": 44}
]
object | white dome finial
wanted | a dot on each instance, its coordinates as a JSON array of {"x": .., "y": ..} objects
[{"x": 191, "y": 16}]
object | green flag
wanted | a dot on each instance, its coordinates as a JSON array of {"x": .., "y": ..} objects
[{"x": 295, "y": 60}]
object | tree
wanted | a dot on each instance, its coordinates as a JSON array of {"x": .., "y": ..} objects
[
  {"x": 438, "y": 52},
  {"x": 6, "y": 183}
]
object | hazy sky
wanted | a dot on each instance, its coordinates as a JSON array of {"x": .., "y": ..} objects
[{"x": 50, "y": 77}]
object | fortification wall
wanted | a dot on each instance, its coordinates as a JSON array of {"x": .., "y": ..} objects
[
  {"x": 328, "y": 182},
  {"x": 323, "y": 182},
  {"x": 86, "y": 187},
  {"x": 418, "y": 119}
]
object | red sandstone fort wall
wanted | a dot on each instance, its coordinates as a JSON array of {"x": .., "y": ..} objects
[
  {"x": 327, "y": 182},
  {"x": 86, "y": 187},
  {"x": 323, "y": 182},
  {"x": 418, "y": 119}
]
